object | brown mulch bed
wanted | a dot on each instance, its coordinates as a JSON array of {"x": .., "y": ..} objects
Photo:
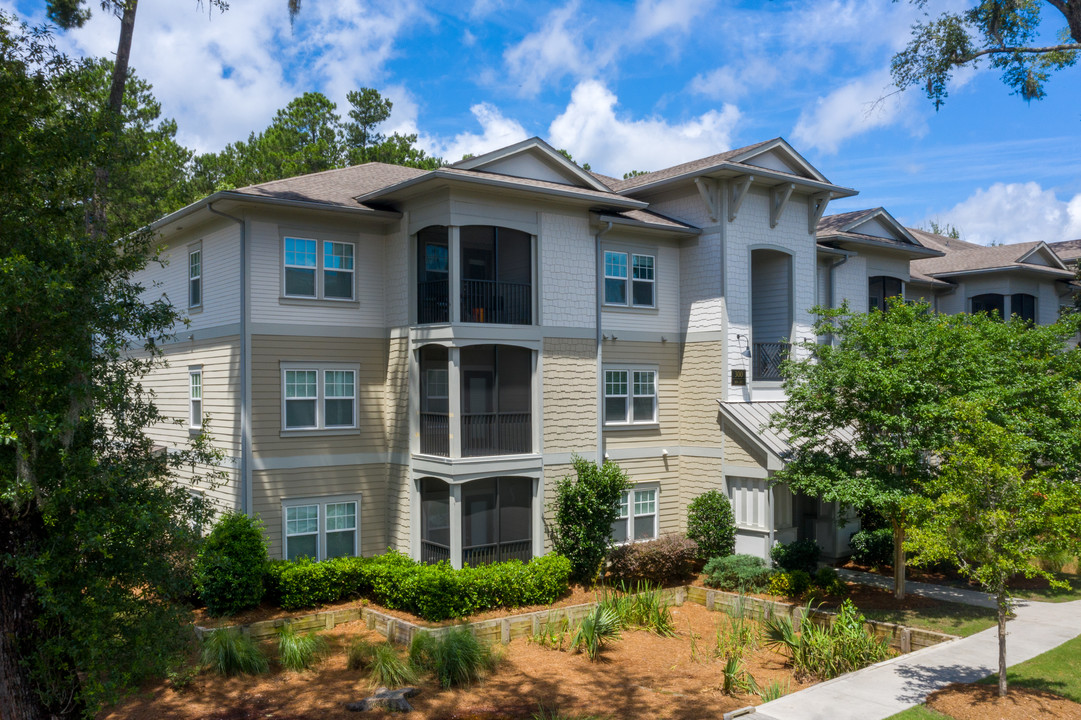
[
  {"x": 577, "y": 595},
  {"x": 981, "y": 702},
  {"x": 952, "y": 578},
  {"x": 863, "y": 597},
  {"x": 641, "y": 675}
]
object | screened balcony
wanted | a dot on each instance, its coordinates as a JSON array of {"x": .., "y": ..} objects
[
  {"x": 496, "y": 518},
  {"x": 771, "y": 312},
  {"x": 496, "y": 388},
  {"x": 496, "y": 275}
]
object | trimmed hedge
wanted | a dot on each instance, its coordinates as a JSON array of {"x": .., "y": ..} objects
[
  {"x": 231, "y": 563},
  {"x": 663, "y": 561},
  {"x": 712, "y": 525},
  {"x": 433, "y": 592}
]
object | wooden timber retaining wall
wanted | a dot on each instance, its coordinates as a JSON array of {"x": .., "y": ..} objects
[{"x": 503, "y": 630}]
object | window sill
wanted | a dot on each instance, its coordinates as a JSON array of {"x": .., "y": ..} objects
[
  {"x": 317, "y": 432},
  {"x": 632, "y": 309},
  {"x": 317, "y": 302},
  {"x": 623, "y": 427},
  {"x": 195, "y": 310}
]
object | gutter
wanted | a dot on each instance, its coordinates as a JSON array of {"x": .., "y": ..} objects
[
  {"x": 245, "y": 366},
  {"x": 599, "y": 297}
]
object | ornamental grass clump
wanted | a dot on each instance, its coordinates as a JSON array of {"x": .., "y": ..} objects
[
  {"x": 824, "y": 651},
  {"x": 384, "y": 664},
  {"x": 455, "y": 658},
  {"x": 299, "y": 652},
  {"x": 229, "y": 652}
]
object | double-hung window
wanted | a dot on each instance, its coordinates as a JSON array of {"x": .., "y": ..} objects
[
  {"x": 195, "y": 398},
  {"x": 637, "y": 516},
  {"x": 629, "y": 279},
  {"x": 630, "y": 396},
  {"x": 320, "y": 528},
  {"x": 318, "y": 397},
  {"x": 319, "y": 269},
  {"x": 195, "y": 276}
]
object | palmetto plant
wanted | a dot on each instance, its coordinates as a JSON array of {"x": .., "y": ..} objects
[
  {"x": 597, "y": 628},
  {"x": 829, "y": 649},
  {"x": 737, "y": 680}
]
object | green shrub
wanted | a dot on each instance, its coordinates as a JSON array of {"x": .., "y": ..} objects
[
  {"x": 799, "y": 582},
  {"x": 456, "y": 658},
  {"x": 229, "y": 652},
  {"x": 299, "y": 652},
  {"x": 873, "y": 547},
  {"x": 825, "y": 577},
  {"x": 737, "y": 572},
  {"x": 798, "y": 555},
  {"x": 711, "y": 524},
  {"x": 434, "y": 592},
  {"x": 779, "y": 585},
  {"x": 664, "y": 561},
  {"x": 231, "y": 563},
  {"x": 584, "y": 510}
]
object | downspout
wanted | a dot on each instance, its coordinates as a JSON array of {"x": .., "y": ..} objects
[
  {"x": 245, "y": 369},
  {"x": 600, "y": 340},
  {"x": 834, "y": 266}
]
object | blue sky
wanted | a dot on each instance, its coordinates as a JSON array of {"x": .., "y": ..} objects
[{"x": 633, "y": 85}]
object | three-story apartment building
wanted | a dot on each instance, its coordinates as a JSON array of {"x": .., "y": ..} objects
[{"x": 392, "y": 357}]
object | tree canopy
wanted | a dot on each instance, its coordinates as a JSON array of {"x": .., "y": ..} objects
[
  {"x": 95, "y": 537},
  {"x": 1009, "y": 34},
  {"x": 870, "y": 408}
]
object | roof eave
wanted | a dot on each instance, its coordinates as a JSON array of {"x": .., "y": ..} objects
[
  {"x": 916, "y": 250},
  {"x": 614, "y": 200},
  {"x": 1065, "y": 274},
  {"x": 735, "y": 170},
  {"x": 638, "y": 224}
]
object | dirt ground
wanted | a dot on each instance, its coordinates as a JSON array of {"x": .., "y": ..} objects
[
  {"x": 641, "y": 675},
  {"x": 981, "y": 702}
]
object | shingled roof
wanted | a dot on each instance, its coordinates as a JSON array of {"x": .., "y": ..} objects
[
  {"x": 963, "y": 257},
  {"x": 333, "y": 187},
  {"x": 1068, "y": 250},
  {"x": 681, "y": 169}
]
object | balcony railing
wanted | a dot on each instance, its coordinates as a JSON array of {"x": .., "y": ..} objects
[
  {"x": 435, "y": 434},
  {"x": 496, "y": 434},
  {"x": 433, "y": 302},
  {"x": 490, "y": 301},
  {"x": 431, "y": 552},
  {"x": 767, "y": 360},
  {"x": 497, "y": 552}
]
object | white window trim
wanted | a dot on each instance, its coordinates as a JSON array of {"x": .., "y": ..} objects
[
  {"x": 629, "y": 280},
  {"x": 195, "y": 419},
  {"x": 319, "y": 268},
  {"x": 628, "y": 420},
  {"x": 321, "y": 502},
  {"x": 320, "y": 399},
  {"x": 196, "y": 249},
  {"x": 656, "y": 514}
]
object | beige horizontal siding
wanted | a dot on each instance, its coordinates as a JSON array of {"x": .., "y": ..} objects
[
  {"x": 738, "y": 452},
  {"x": 664, "y": 357},
  {"x": 701, "y": 385},
  {"x": 569, "y": 395},
  {"x": 270, "y": 487},
  {"x": 398, "y": 507},
  {"x": 269, "y": 351}
]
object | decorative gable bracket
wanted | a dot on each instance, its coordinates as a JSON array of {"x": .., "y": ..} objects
[
  {"x": 737, "y": 192},
  {"x": 815, "y": 209},
  {"x": 778, "y": 200},
  {"x": 707, "y": 188}
]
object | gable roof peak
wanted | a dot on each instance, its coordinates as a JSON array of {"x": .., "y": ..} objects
[{"x": 496, "y": 161}]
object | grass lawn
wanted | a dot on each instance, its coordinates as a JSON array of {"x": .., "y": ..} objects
[
  {"x": 1054, "y": 594},
  {"x": 950, "y": 618},
  {"x": 1057, "y": 671}
]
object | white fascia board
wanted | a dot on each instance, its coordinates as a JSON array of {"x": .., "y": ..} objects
[
  {"x": 533, "y": 143},
  {"x": 1047, "y": 252},
  {"x": 732, "y": 169},
  {"x": 788, "y": 150}
]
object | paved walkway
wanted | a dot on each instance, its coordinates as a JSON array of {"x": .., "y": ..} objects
[
  {"x": 938, "y": 592},
  {"x": 889, "y": 687}
]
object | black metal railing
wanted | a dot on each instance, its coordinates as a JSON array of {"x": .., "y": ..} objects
[
  {"x": 433, "y": 302},
  {"x": 496, "y": 434},
  {"x": 435, "y": 434},
  {"x": 497, "y": 552},
  {"x": 491, "y": 301},
  {"x": 432, "y": 553},
  {"x": 767, "y": 360}
]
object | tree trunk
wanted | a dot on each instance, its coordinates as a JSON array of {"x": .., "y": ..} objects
[
  {"x": 898, "y": 561},
  {"x": 1003, "y": 607},
  {"x": 20, "y": 698}
]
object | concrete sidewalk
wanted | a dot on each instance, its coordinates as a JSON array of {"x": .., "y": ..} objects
[
  {"x": 889, "y": 687},
  {"x": 938, "y": 592}
]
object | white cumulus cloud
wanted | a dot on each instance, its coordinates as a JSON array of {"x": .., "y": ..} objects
[
  {"x": 497, "y": 131},
  {"x": 1015, "y": 212},
  {"x": 862, "y": 105},
  {"x": 592, "y": 131}
]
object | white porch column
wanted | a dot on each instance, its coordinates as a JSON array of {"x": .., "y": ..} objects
[
  {"x": 454, "y": 400},
  {"x": 456, "y": 526},
  {"x": 454, "y": 277}
]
